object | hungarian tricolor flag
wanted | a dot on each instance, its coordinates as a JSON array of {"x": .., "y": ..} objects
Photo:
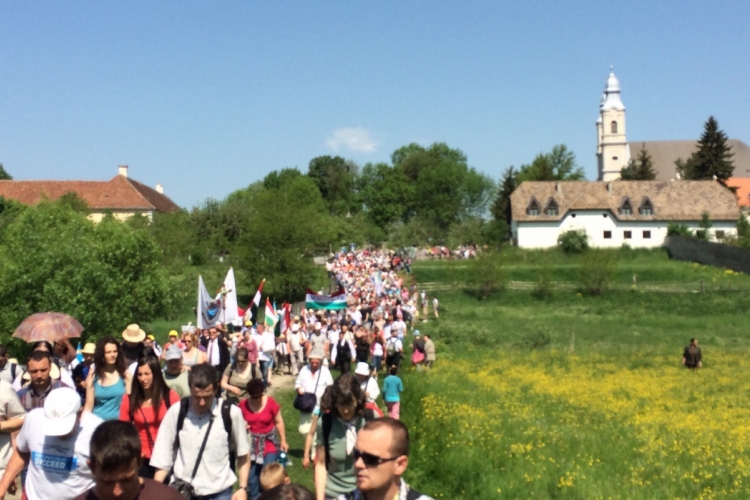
[
  {"x": 337, "y": 300},
  {"x": 270, "y": 317},
  {"x": 251, "y": 314}
]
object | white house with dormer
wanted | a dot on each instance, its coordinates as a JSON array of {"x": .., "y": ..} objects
[{"x": 614, "y": 213}]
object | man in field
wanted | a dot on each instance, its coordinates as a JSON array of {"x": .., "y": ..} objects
[
  {"x": 692, "y": 358},
  {"x": 381, "y": 457}
]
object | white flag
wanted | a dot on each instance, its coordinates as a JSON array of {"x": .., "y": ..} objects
[
  {"x": 208, "y": 309},
  {"x": 229, "y": 306}
]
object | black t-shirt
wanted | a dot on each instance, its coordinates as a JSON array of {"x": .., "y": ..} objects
[{"x": 150, "y": 490}]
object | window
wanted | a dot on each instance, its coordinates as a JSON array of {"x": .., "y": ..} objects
[
  {"x": 626, "y": 208},
  {"x": 613, "y": 127},
  {"x": 719, "y": 235},
  {"x": 533, "y": 208},
  {"x": 628, "y": 234},
  {"x": 647, "y": 208},
  {"x": 607, "y": 235},
  {"x": 646, "y": 235},
  {"x": 551, "y": 207}
]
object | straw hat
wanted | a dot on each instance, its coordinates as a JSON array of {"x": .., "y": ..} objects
[
  {"x": 133, "y": 333},
  {"x": 89, "y": 348}
]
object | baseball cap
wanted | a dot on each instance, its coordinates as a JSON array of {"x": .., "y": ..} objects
[
  {"x": 173, "y": 352},
  {"x": 173, "y": 333},
  {"x": 60, "y": 411}
]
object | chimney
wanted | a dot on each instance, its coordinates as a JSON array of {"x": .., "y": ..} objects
[
  {"x": 558, "y": 188},
  {"x": 160, "y": 189},
  {"x": 123, "y": 170}
]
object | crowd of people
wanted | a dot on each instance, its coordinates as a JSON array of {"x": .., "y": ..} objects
[{"x": 124, "y": 418}]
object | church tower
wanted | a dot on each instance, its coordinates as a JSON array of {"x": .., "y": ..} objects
[{"x": 612, "y": 152}]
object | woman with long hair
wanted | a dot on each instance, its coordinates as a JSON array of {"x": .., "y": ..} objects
[
  {"x": 266, "y": 426},
  {"x": 336, "y": 437},
  {"x": 145, "y": 407},
  {"x": 109, "y": 381},
  {"x": 236, "y": 377},
  {"x": 192, "y": 355}
]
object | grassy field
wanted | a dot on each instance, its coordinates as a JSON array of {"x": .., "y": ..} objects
[
  {"x": 584, "y": 397},
  {"x": 574, "y": 396}
]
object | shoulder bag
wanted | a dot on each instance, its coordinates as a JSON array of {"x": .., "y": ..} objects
[
  {"x": 184, "y": 488},
  {"x": 306, "y": 402}
]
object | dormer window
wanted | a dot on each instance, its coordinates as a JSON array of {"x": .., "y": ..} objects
[
  {"x": 552, "y": 208},
  {"x": 647, "y": 208},
  {"x": 613, "y": 127},
  {"x": 533, "y": 207},
  {"x": 626, "y": 208}
]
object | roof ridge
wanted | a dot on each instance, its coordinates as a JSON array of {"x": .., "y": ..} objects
[{"x": 128, "y": 181}]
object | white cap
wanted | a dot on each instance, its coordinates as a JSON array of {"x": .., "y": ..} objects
[
  {"x": 295, "y": 328},
  {"x": 362, "y": 369},
  {"x": 60, "y": 411},
  {"x": 317, "y": 325}
]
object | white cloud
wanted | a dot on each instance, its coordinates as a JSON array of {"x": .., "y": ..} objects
[{"x": 352, "y": 138}]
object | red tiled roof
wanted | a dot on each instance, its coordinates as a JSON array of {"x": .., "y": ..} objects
[
  {"x": 743, "y": 189},
  {"x": 118, "y": 193}
]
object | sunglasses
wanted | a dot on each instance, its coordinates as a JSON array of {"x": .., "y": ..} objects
[{"x": 369, "y": 459}]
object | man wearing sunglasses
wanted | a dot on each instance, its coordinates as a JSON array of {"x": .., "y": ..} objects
[{"x": 380, "y": 459}]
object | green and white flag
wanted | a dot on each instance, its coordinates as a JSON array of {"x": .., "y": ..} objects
[{"x": 327, "y": 302}]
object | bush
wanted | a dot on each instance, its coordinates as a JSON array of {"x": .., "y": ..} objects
[
  {"x": 597, "y": 271},
  {"x": 677, "y": 229},
  {"x": 574, "y": 241},
  {"x": 543, "y": 285},
  {"x": 535, "y": 340},
  {"x": 486, "y": 275}
]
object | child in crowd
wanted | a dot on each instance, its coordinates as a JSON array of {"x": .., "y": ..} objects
[
  {"x": 273, "y": 475},
  {"x": 392, "y": 389}
]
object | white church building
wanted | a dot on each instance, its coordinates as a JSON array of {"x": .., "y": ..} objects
[
  {"x": 614, "y": 213},
  {"x": 613, "y": 151}
]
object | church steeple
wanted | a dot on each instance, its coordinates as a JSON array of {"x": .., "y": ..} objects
[{"x": 612, "y": 149}]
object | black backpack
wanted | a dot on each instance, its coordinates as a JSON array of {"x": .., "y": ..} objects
[{"x": 225, "y": 417}]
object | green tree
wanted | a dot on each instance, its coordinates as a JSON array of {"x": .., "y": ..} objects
[
  {"x": 704, "y": 233},
  {"x": 384, "y": 191},
  {"x": 106, "y": 275},
  {"x": 288, "y": 227},
  {"x": 640, "y": 169},
  {"x": 477, "y": 191},
  {"x": 335, "y": 178},
  {"x": 4, "y": 176},
  {"x": 277, "y": 178},
  {"x": 713, "y": 158},
  {"x": 501, "y": 205},
  {"x": 557, "y": 165}
]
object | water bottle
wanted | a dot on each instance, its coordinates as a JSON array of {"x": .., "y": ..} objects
[{"x": 283, "y": 459}]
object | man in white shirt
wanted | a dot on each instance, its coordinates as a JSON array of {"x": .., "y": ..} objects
[
  {"x": 266, "y": 346},
  {"x": 54, "y": 444},
  {"x": 394, "y": 350},
  {"x": 8, "y": 370},
  {"x": 296, "y": 343},
  {"x": 214, "y": 476},
  {"x": 313, "y": 378},
  {"x": 12, "y": 415},
  {"x": 399, "y": 326}
]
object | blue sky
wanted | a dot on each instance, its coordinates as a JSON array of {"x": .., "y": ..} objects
[{"x": 208, "y": 97}]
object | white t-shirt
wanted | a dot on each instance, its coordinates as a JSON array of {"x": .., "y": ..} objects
[
  {"x": 58, "y": 467},
  {"x": 400, "y": 328},
  {"x": 307, "y": 381},
  {"x": 266, "y": 345},
  {"x": 10, "y": 408},
  {"x": 6, "y": 372}
]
